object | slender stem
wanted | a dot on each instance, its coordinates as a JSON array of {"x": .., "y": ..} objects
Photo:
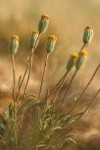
[
  {"x": 14, "y": 81},
  {"x": 63, "y": 81},
  {"x": 63, "y": 77},
  {"x": 70, "y": 127},
  {"x": 14, "y": 76},
  {"x": 66, "y": 72},
  {"x": 85, "y": 89},
  {"x": 57, "y": 84},
  {"x": 30, "y": 68},
  {"x": 45, "y": 65},
  {"x": 22, "y": 80},
  {"x": 30, "y": 64},
  {"x": 82, "y": 48},
  {"x": 92, "y": 101},
  {"x": 70, "y": 83},
  {"x": 14, "y": 97},
  {"x": 86, "y": 108}
]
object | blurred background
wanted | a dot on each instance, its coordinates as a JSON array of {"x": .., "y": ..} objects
[{"x": 68, "y": 19}]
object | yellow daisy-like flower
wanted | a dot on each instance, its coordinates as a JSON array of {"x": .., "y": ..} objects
[
  {"x": 84, "y": 53},
  {"x": 52, "y": 37},
  {"x": 15, "y": 37},
  {"x": 45, "y": 16},
  {"x": 74, "y": 55}
]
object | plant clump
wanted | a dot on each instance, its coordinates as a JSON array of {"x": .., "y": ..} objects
[{"x": 35, "y": 122}]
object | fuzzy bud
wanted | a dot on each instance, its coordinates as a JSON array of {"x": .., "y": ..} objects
[
  {"x": 33, "y": 39},
  {"x": 81, "y": 59},
  {"x": 43, "y": 23},
  {"x": 72, "y": 61},
  {"x": 88, "y": 35},
  {"x": 14, "y": 44},
  {"x": 50, "y": 44}
]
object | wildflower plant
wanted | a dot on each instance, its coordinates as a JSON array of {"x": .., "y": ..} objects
[{"x": 35, "y": 123}]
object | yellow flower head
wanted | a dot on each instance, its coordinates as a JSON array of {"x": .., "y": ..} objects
[
  {"x": 89, "y": 27},
  {"x": 84, "y": 53},
  {"x": 52, "y": 37},
  {"x": 15, "y": 37},
  {"x": 74, "y": 55},
  {"x": 45, "y": 16}
]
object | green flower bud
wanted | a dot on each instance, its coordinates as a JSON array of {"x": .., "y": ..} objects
[
  {"x": 88, "y": 35},
  {"x": 33, "y": 39},
  {"x": 43, "y": 24},
  {"x": 72, "y": 61},
  {"x": 14, "y": 44},
  {"x": 50, "y": 44},
  {"x": 81, "y": 59}
]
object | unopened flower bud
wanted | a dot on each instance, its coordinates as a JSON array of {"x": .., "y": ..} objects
[
  {"x": 33, "y": 39},
  {"x": 14, "y": 44},
  {"x": 50, "y": 44},
  {"x": 88, "y": 35},
  {"x": 43, "y": 24},
  {"x": 72, "y": 61},
  {"x": 81, "y": 59}
]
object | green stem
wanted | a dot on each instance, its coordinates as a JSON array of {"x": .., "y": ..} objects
[
  {"x": 45, "y": 65},
  {"x": 14, "y": 97},
  {"x": 22, "y": 80},
  {"x": 30, "y": 64},
  {"x": 14, "y": 82},
  {"x": 30, "y": 68},
  {"x": 82, "y": 48}
]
